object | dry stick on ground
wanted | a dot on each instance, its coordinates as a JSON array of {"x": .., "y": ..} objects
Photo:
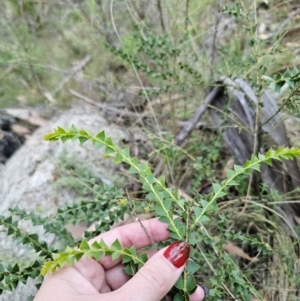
[
  {"x": 107, "y": 109},
  {"x": 192, "y": 123},
  {"x": 162, "y": 23},
  {"x": 72, "y": 72}
]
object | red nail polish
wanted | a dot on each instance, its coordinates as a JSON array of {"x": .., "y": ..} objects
[{"x": 178, "y": 253}]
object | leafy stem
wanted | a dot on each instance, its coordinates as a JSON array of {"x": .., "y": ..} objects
[
  {"x": 253, "y": 164},
  {"x": 96, "y": 250}
]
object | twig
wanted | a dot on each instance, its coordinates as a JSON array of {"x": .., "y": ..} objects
[
  {"x": 187, "y": 4},
  {"x": 282, "y": 105},
  {"x": 213, "y": 46},
  {"x": 86, "y": 99},
  {"x": 285, "y": 23},
  {"x": 162, "y": 23},
  {"x": 111, "y": 10},
  {"x": 106, "y": 108},
  {"x": 138, "y": 219},
  {"x": 192, "y": 123},
  {"x": 72, "y": 72}
]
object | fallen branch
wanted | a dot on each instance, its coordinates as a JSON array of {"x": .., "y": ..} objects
[
  {"x": 110, "y": 110},
  {"x": 72, "y": 72},
  {"x": 192, "y": 123}
]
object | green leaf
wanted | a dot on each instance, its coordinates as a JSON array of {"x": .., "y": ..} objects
[
  {"x": 164, "y": 219},
  {"x": 204, "y": 219},
  {"x": 150, "y": 196},
  {"x": 64, "y": 138},
  {"x": 216, "y": 187},
  {"x": 232, "y": 183},
  {"x": 267, "y": 78},
  {"x": 102, "y": 244},
  {"x": 60, "y": 131},
  {"x": 192, "y": 266},
  {"x": 79, "y": 256},
  {"x": 73, "y": 129},
  {"x": 256, "y": 167},
  {"x": 126, "y": 152},
  {"x": 291, "y": 83},
  {"x": 170, "y": 215},
  {"x": 82, "y": 139},
  {"x": 83, "y": 133},
  {"x": 275, "y": 87},
  {"x": 179, "y": 283},
  {"x": 168, "y": 204},
  {"x": 230, "y": 173},
  {"x": 253, "y": 28},
  {"x": 143, "y": 257},
  {"x": 71, "y": 260},
  {"x": 108, "y": 141},
  {"x": 109, "y": 149},
  {"x": 118, "y": 158},
  {"x": 133, "y": 251},
  {"x": 238, "y": 168},
  {"x": 178, "y": 297},
  {"x": 84, "y": 245},
  {"x": 101, "y": 136},
  {"x": 146, "y": 186},
  {"x": 128, "y": 269},
  {"x": 220, "y": 194},
  {"x": 150, "y": 179},
  {"x": 204, "y": 203},
  {"x": 190, "y": 284},
  {"x": 133, "y": 170},
  {"x": 174, "y": 235},
  {"x": 115, "y": 255},
  {"x": 116, "y": 245},
  {"x": 197, "y": 211},
  {"x": 159, "y": 210},
  {"x": 126, "y": 255},
  {"x": 143, "y": 167},
  {"x": 162, "y": 181}
]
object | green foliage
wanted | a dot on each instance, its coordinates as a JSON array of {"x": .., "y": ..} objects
[
  {"x": 290, "y": 77},
  {"x": 12, "y": 275},
  {"x": 195, "y": 215},
  {"x": 96, "y": 250},
  {"x": 136, "y": 50},
  {"x": 32, "y": 240}
]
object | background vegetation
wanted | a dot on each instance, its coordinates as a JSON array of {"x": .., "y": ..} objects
[{"x": 157, "y": 60}]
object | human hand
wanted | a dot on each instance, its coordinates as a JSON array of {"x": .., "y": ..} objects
[{"x": 89, "y": 280}]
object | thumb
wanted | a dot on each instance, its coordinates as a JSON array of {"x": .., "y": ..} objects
[{"x": 155, "y": 279}]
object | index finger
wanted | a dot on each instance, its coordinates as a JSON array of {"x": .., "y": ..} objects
[{"x": 132, "y": 235}]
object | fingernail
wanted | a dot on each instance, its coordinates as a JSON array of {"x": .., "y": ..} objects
[
  {"x": 206, "y": 290},
  {"x": 178, "y": 253}
]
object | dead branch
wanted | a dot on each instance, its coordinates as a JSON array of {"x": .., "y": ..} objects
[
  {"x": 74, "y": 70},
  {"x": 110, "y": 110},
  {"x": 192, "y": 123}
]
